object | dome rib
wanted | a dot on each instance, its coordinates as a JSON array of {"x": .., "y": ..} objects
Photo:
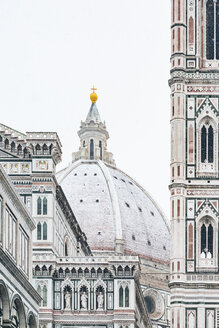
[
  {"x": 115, "y": 205},
  {"x": 114, "y": 211}
]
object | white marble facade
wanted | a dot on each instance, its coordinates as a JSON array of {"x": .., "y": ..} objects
[{"x": 194, "y": 190}]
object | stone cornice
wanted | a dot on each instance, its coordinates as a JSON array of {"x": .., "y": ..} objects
[{"x": 189, "y": 285}]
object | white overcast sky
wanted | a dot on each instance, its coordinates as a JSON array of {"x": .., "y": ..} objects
[{"x": 53, "y": 51}]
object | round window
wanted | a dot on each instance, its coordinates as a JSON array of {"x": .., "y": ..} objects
[
  {"x": 154, "y": 303},
  {"x": 150, "y": 304}
]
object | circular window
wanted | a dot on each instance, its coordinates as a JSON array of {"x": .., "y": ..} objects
[
  {"x": 150, "y": 304},
  {"x": 154, "y": 303}
]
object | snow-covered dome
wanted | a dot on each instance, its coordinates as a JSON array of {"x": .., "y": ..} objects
[
  {"x": 112, "y": 208},
  {"x": 114, "y": 211}
]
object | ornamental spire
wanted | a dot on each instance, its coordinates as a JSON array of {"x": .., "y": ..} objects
[{"x": 93, "y": 136}]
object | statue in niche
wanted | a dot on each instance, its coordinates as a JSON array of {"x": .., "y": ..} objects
[
  {"x": 84, "y": 301},
  {"x": 100, "y": 301},
  {"x": 68, "y": 301}
]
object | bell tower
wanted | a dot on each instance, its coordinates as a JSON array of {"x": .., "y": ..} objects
[{"x": 194, "y": 186}]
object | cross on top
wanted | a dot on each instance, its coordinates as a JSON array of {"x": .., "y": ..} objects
[{"x": 93, "y": 89}]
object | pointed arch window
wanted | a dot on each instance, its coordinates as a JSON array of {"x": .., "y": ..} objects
[
  {"x": 126, "y": 296},
  {"x": 39, "y": 235},
  {"x": 212, "y": 30},
  {"x": 207, "y": 239},
  {"x": 120, "y": 296},
  {"x": 13, "y": 147},
  {"x": 39, "y": 206},
  {"x": 207, "y": 143},
  {"x": 66, "y": 249},
  {"x": 44, "y": 231},
  {"x": 91, "y": 149},
  {"x": 6, "y": 143},
  {"x": 44, "y": 296},
  {"x": 44, "y": 206},
  {"x": 19, "y": 150}
]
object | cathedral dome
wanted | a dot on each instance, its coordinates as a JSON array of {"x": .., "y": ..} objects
[
  {"x": 113, "y": 209},
  {"x": 115, "y": 212}
]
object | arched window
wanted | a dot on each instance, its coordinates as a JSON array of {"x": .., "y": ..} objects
[
  {"x": 203, "y": 237},
  {"x": 44, "y": 231},
  {"x": 210, "y": 239},
  {"x": 44, "y": 206},
  {"x": 44, "y": 296},
  {"x": 210, "y": 144},
  {"x": 13, "y": 147},
  {"x": 26, "y": 155},
  {"x": 101, "y": 151},
  {"x": 19, "y": 150},
  {"x": 45, "y": 150},
  {"x": 207, "y": 143},
  {"x": 84, "y": 143},
  {"x": 66, "y": 248},
  {"x": 207, "y": 239},
  {"x": 126, "y": 296},
  {"x": 91, "y": 149},
  {"x": 39, "y": 206},
  {"x": 212, "y": 30},
  {"x": 39, "y": 234},
  {"x": 120, "y": 296},
  {"x": 38, "y": 149},
  {"x": 6, "y": 143}
]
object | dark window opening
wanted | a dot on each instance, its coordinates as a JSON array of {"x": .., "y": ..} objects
[
  {"x": 210, "y": 30},
  {"x": 91, "y": 149},
  {"x": 203, "y": 144},
  {"x": 101, "y": 151},
  {"x": 150, "y": 304}
]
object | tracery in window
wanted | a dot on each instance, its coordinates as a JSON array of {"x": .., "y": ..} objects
[
  {"x": 207, "y": 143},
  {"x": 207, "y": 239},
  {"x": 42, "y": 206}
]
